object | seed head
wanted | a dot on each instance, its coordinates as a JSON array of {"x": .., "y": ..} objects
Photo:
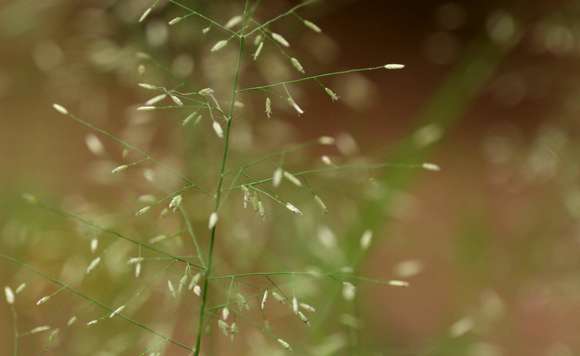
[
  {"x": 218, "y": 129},
  {"x": 297, "y": 65},
  {"x": 175, "y": 21},
  {"x": 94, "y": 145},
  {"x": 293, "y": 209},
  {"x": 268, "y": 108},
  {"x": 94, "y": 263},
  {"x": 431, "y": 167},
  {"x": 233, "y": 22},
  {"x": 258, "y": 50},
  {"x": 366, "y": 239},
  {"x": 277, "y": 177}
]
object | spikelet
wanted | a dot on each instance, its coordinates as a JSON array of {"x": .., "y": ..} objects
[
  {"x": 280, "y": 39},
  {"x": 264, "y": 299},
  {"x": 20, "y": 288},
  {"x": 277, "y": 177},
  {"x": 394, "y": 66},
  {"x": 284, "y": 344},
  {"x": 43, "y": 300},
  {"x": 212, "y": 221},
  {"x": 119, "y": 169},
  {"x": 175, "y": 202},
  {"x": 294, "y": 105},
  {"x": 398, "y": 283},
  {"x": 258, "y": 51},
  {"x": 219, "y": 45},
  {"x": 218, "y": 129},
  {"x": 333, "y": 96},
  {"x": 9, "y": 294},
  {"x": 321, "y": 204},
  {"x": 366, "y": 239},
  {"x": 348, "y": 291},
  {"x": 293, "y": 209},
  {"x": 311, "y": 25},
  {"x": 233, "y": 22},
  {"x": 268, "y": 108},
  {"x": 326, "y": 140},
  {"x": 117, "y": 311},
  {"x": 431, "y": 167},
  {"x": 292, "y": 178},
  {"x": 61, "y": 109},
  {"x": 94, "y": 145},
  {"x": 297, "y": 65},
  {"x": 175, "y": 21},
  {"x": 94, "y": 263}
]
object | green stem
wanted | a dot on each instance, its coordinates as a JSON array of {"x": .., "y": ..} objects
[{"x": 217, "y": 201}]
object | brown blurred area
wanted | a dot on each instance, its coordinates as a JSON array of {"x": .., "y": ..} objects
[{"x": 498, "y": 226}]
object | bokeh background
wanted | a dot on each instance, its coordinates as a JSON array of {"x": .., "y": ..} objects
[{"x": 490, "y": 243}]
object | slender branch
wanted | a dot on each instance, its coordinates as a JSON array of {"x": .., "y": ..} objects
[
  {"x": 15, "y": 330},
  {"x": 313, "y": 77},
  {"x": 282, "y": 15},
  {"x": 208, "y": 19}
]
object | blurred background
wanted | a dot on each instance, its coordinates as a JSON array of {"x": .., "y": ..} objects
[{"x": 489, "y": 244}]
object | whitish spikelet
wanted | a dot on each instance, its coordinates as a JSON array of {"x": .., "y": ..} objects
[
  {"x": 206, "y": 92},
  {"x": 348, "y": 291},
  {"x": 117, "y": 311},
  {"x": 94, "y": 245},
  {"x": 409, "y": 268},
  {"x": 293, "y": 209},
  {"x": 268, "y": 108},
  {"x": 398, "y": 283},
  {"x": 119, "y": 169},
  {"x": 175, "y": 21},
  {"x": 137, "y": 270},
  {"x": 326, "y": 160},
  {"x": 39, "y": 329},
  {"x": 233, "y": 22},
  {"x": 326, "y": 140},
  {"x": 43, "y": 300},
  {"x": 94, "y": 263},
  {"x": 188, "y": 118},
  {"x": 297, "y": 65},
  {"x": 92, "y": 322},
  {"x": 157, "y": 239},
  {"x": 280, "y": 39},
  {"x": 295, "y": 305},
  {"x": 333, "y": 95},
  {"x": 175, "y": 202},
  {"x": 258, "y": 51},
  {"x": 94, "y": 145},
  {"x": 146, "y": 108},
  {"x": 176, "y": 100},
  {"x": 311, "y": 25},
  {"x": 148, "y": 86},
  {"x": 284, "y": 344},
  {"x": 171, "y": 288},
  {"x": 156, "y": 99},
  {"x": 212, "y": 221},
  {"x": 218, "y": 129},
  {"x": 321, "y": 204},
  {"x": 307, "y": 307},
  {"x": 20, "y": 288},
  {"x": 225, "y": 313},
  {"x": 197, "y": 290},
  {"x": 206, "y": 30},
  {"x": 9, "y": 294},
  {"x": 264, "y": 300},
  {"x": 431, "y": 167},
  {"x": 142, "y": 211},
  {"x": 278, "y": 297},
  {"x": 292, "y": 178},
  {"x": 366, "y": 239},
  {"x": 394, "y": 66},
  {"x": 145, "y": 14},
  {"x": 461, "y": 327},
  {"x": 59, "y": 108},
  {"x": 71, "y": 320},
  {"x": 303, "y": 317},
  {"x": 294, "y": 105},
  {"x": 277, "y": 177},
  {"x": 219, "y": 45}
]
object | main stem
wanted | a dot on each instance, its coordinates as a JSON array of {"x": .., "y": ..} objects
[{"x": 218, "y": 195}]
